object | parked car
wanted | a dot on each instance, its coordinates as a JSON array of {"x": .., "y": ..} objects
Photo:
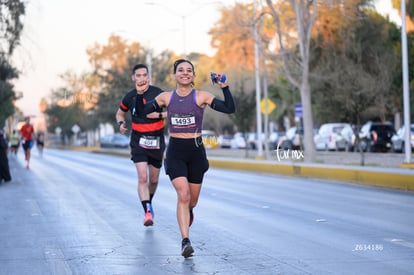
[
  {"x": 398, "y": 140},
  {"x": 346, "y": 139},
  {"x": 238, "y": 141},
  {"x": 329, "y": 136},
  {"x": 292, "y": 140},
  {"x": 114, "y": 141},
  {"x": 252, "y": 140},
  {"x": 273, "y": 140},
  {"x": 225, "y": 141},
  {"x": 375, "y": 136}
]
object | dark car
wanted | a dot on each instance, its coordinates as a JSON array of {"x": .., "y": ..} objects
[
  {"x": 115, "y": 141},
  {"x": 375, "y": 136}
]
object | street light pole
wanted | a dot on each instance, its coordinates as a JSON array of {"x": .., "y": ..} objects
[
  {"x": 256, "y": 64},
  {"x": 183, "y": 18},
  {"x": 406, "y": 95},
  {"x": 184, "y": 36}
]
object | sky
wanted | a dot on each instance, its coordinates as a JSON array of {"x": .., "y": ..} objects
[{"x": 57, "y": 33}]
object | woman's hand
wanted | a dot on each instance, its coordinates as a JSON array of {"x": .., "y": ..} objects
[{"x": 222, "y": 84}]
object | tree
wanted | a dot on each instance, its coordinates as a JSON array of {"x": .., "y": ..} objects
[
  {"x": 296, "y": 68},
  {"x": 232, "y": 36},
  {"x": 65, "y": 117},
  {"x": 112, "y": 64},
  {"x": 72, "y": 103},
  {"x": 410, "y": 36},
  {"x": 233, "y": 40},
  {"x": 244, "y": 117},
  {"x": 353, "y": 79},
  {"x": 285, "y": 96},
  {"x": 302, "y": 21},
  {"x": 365, "y": 57},
  {"x": 7, "y": 94},
  {"x": 409, "y": 9},
  {"x": 11, "y": 26}
]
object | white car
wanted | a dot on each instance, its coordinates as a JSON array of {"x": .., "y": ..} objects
[
  {"x": 225, "y": 141},
  {"x": 238, "y": 141},
  {"x": 397, "y": 140},
  {"x": 328, "y": 136}
]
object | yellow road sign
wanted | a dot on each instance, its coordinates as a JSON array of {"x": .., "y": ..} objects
[{"x": 270, "y": 106}]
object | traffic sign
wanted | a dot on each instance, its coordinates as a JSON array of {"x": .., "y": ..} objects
[
  {"x": 270, "y": 106},
  {"x": 298, "y": 110}
]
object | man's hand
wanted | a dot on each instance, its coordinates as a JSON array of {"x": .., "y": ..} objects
[{"x": 122, "y": 128}]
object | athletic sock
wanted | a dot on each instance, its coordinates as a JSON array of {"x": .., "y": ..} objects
[{"x": 145, "y": 205}]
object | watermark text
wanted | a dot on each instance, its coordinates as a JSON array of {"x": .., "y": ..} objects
[{"x": 288, "y": 154}]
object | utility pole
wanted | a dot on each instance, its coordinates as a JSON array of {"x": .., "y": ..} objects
[
  {"x": 258, "y": 96},
  {"x": 406, "y": 95}
]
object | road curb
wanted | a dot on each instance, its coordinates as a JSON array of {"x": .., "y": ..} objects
[{"x": 387, "y": 179}]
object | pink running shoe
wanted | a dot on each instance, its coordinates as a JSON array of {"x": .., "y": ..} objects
[{"x": 148, "y": 219}]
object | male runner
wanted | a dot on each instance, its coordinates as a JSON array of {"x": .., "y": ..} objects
[
  {"x": 147, "y": 138},
  {"x": 27, "y": 132}
]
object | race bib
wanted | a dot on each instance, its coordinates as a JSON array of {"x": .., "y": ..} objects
[
  {"x": 183, "y": 120},
  {"x": 149, "y": 142}
]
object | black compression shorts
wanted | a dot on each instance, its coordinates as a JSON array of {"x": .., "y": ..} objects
[
  {"x": 142, "y": 150},
  {"x": 186, "y": 158}
]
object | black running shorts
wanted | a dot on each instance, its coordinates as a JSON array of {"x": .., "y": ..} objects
[
  {"x": 186, "y": 158},
  {"x": 143, "y": 152},
  {"x": 27, "y": 144}
]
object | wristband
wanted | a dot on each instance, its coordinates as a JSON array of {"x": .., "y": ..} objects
[
  {"x": 121, "y": 122},
  {"x": 160, "y": 115}
]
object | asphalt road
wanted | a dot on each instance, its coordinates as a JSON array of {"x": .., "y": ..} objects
[{"x": 78, "y": 213}]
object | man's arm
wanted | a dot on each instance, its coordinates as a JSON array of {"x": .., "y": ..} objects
[
  {"x": 152, "y": 105},
  {"x": 120, "y": 119}
]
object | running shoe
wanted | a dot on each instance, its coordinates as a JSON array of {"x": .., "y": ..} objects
[
  {"x": 186, "y": 248},
  {"x": 191, "y": 217},
  {"x": 148, "y": 219}
]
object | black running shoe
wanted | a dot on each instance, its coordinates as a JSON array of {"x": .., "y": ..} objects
[
  {"x": 191, "y": 217},
  {"x": 186, "y": 248}
]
